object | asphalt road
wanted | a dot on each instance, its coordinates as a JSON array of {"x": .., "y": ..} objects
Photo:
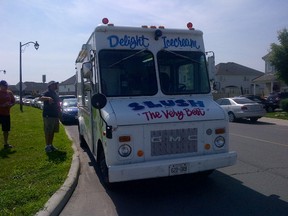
[{"x": 256, "y": 185}]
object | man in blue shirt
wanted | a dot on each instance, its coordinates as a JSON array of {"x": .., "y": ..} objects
[{"x": 51, "y": 114}]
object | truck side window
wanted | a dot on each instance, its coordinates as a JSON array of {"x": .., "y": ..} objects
[{"x": 127, "y": 73}]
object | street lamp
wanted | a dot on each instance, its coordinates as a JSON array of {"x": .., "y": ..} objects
[
  {"x": 36, "y": 45},
  {"x": 4, "y": 71}
]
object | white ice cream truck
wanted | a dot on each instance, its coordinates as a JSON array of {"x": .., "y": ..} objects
[{"x": 145, "y": 104}]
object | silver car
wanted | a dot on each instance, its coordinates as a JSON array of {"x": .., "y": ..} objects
[{"x": 241, "y": 107}]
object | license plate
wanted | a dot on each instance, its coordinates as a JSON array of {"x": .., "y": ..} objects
[{"x": 178, "y": 169}]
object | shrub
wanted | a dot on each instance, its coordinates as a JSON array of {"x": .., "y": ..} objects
[{"x": 284, "y": 105}]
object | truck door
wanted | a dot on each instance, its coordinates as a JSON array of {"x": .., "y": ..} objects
[{"x": 86, "y": 108}]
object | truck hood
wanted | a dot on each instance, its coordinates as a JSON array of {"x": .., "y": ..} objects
[{"x": 161, "y": 110}]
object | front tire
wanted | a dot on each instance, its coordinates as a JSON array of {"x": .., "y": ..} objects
[
  {"x": 82, "y": 141},
  {"x": 205, "y": 174},
  {"x": 103, "y": 169},
  {"x": 254, "y": 119},
  {"x": 231, "y": 117}
]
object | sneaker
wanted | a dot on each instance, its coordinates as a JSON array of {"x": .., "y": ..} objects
[
  {"x": 48, "y": 148},
  {"x": 53, "y": 148},
  {"x": 8, "y": 146}
]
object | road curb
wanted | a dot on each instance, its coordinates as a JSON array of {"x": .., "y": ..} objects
[{"x": 57, "y": 202}]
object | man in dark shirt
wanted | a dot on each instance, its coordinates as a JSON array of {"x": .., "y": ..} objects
[{"x": 51, "y": 112}]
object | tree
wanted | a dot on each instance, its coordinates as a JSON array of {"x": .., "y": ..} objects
[{"x": 279, "y": 56}]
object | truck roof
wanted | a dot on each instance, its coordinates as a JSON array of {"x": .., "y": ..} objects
[{"x": 105, "y": 28}]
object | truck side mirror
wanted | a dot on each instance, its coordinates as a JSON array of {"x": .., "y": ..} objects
[
  {"x": 87, "y": 70},
  {"x": 98, "y": 101}
]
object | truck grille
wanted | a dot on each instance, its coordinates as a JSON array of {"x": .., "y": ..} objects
[{"x": 177, "y": 141}]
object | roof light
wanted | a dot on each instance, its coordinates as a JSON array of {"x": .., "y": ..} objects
[
  {"x": 153, "y": 27},
  {"x": 105, "y": 21},
  {"x": 189, "y": 25},
  {"x": 161, "y": 27},
  {"x": 144, "y": 26}
]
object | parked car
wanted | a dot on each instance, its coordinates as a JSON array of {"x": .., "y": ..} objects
[
  {"x": 242, "y": 108},
  {"x": 28, "y": 100},
  {"x": 69, "y": 111},
  {"x": 273, "y": 100},
  {"x": 62, "y": 97},
  {"x": 256, "y": 99}
]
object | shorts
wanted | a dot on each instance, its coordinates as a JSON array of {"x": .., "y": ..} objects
[
  {"x": 51, "y": 125},
  {"x": 5, "y": 121}
]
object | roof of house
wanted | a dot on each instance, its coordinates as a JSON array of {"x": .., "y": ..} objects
[
  {"x": 69, "y": 81},
  {"x": 266, "y": 57},
  {"x": 269, "y": 77},
  {"x": 232, "y": 68}
]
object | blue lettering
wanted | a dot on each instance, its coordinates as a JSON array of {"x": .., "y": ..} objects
[
  {"x": 128, "y": 41},
  {"x": 196, "y": 104},
  {"x": 181, "y": 103},
  {"x": 166, "y": 103},
  {"x": 180, "y": 42},
  {"x": 136, "y": 106},
  {"x": 113, "y": 40},
  {"x": 150, "y": 104}
]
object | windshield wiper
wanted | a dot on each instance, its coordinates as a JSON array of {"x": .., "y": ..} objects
[
  {"x": 128, "y": 57},
  {"x": 182, "y": 56}
]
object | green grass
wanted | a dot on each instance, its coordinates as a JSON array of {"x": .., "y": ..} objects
[
  {"x": 277, "y": 115},
  {"x": 29, "y": 176}
]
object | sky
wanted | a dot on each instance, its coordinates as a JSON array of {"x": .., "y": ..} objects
[{"x": 239, "y": 31}]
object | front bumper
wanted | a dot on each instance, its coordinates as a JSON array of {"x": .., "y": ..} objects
[{"x": 154, "y": 169}]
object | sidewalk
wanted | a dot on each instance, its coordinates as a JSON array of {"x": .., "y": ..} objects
[
  {"x": 274, "y": 121},
  {"x": 58, "y": 201}
]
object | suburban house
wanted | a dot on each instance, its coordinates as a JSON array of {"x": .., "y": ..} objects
[
  {"x": 66, "y": 87},
  {"x": 235, "y": 79},
  {"x": 269, "y": 79},
  {"x": 29, "y": 88}
]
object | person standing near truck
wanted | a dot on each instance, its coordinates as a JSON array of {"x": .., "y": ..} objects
[
  {"x": 7, "y": 100},
  {"x": 51, "y": 112}
]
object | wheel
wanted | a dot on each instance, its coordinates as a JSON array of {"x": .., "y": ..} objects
[
  {"x": 231, "y": 117},
  {"x": 83, "y": 143},
  {"x": 206, "y": 173},
  {"x": 103, "y": 168},
  {"x": 253, "y": 119}
]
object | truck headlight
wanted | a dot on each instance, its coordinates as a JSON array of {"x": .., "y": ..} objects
[
  {"x": 124, "y": 150},
  {"x": 219, "y": 141}
]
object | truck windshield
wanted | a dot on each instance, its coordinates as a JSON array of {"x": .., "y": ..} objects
[
  {"x": 183, "y": 72},
  {"x": 127, "y": 73}
]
